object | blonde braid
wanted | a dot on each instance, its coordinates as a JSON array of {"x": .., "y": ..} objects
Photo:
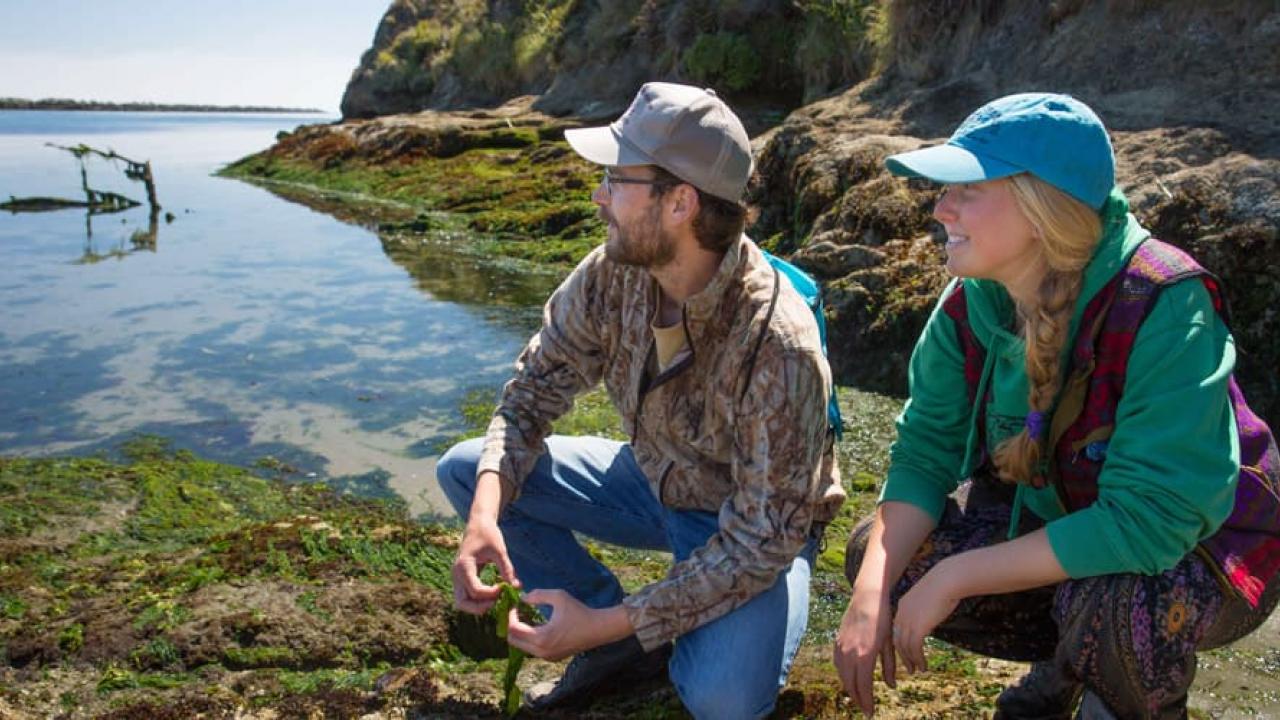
[
  {"x": 1069, "y": 231},
  {"x": 1045, "y": 328}
]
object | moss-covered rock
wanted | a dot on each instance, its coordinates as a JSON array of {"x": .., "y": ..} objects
[
  {"x": 1200, "y": 173},
  {"x": 170, "y": 574},
  {"x": 506, "y": 175}
]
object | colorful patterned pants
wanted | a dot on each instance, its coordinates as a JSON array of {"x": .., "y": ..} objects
[{"x": 1131, "y": 639}]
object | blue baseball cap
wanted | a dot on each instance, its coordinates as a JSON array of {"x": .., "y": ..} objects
[{"x": 1054, "y": 137}]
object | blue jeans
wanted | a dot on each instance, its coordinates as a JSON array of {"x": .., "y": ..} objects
[{"x": 731, "y": 667}]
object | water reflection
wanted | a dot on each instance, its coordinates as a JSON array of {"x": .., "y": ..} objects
[
  {"x": 41, "y": 381},
  {"x": 440, "y": 261},
  {"x": 101, "y": 202},
  {"x": 264, "y": 329},
  {"x": 139, "y": 240},
  {"x": 441, "y": 267}
]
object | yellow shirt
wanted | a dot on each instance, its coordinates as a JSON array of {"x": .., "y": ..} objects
[{"x": 671, "y": 344}]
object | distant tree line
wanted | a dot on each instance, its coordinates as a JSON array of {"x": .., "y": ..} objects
[{"x": 65, "y": 104}]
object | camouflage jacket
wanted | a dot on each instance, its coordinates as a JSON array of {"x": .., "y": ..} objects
[{"x": 717, "y": 431}]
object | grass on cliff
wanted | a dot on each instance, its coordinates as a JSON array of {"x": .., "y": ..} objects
[
  {"x": 499, "y": 56},
  {"x": 792, "y": 51}
]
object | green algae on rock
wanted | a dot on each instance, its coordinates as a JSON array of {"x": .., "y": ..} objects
[
  {"x": 170, "y": 577},
  {"x": 509, "y": 599},
  {"x": 505, "y": 175}
]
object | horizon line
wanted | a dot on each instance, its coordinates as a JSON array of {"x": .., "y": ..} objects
[{"x": 8, "y": 103}]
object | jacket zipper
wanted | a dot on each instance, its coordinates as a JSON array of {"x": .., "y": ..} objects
[
  {"x": 662, "y": 482},
  {"x": 643, "y": 388},
  {"x": 642, "y": 391}
]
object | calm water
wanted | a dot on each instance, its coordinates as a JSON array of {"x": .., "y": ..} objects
[{"x": 253, "y": 327}]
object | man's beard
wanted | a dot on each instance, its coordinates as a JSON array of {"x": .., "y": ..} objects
[{"x": 644, "y": 244}]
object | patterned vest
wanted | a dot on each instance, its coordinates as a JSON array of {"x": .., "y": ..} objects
[{"x": 1246, "y": 548}]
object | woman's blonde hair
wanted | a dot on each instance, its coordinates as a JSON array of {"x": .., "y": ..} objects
[{"x": 1068, "y": 231}]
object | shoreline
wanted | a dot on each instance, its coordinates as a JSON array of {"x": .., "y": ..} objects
[
  {"x": 59, "y": 104},
  {"x": 174, "y": 583},
  {"x": 505, "y": 176}
]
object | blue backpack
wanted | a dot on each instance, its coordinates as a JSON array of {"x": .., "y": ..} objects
[{"x": 808, "y": 288}]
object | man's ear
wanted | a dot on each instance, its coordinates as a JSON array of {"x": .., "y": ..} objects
[{"x": 682, "y": 204}]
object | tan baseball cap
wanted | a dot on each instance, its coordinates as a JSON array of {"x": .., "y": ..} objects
[{"x": 687, "y": 131}]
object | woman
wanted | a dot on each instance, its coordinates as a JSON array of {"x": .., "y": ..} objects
[{"x": 1120, "y": 503}]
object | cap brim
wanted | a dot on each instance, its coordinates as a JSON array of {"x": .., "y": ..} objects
[
  {"x": 949, "y": 164},
  {"x": 602, "y": 146}
]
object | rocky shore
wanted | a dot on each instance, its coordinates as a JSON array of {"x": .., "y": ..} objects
[
  {"x": 1193, "y": 116},
  {"x": 159, "y": 585}
]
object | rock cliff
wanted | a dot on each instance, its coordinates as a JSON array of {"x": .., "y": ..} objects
[
  {"x": 1191, "y": 91},
  {"x": 588, "y": 57}
]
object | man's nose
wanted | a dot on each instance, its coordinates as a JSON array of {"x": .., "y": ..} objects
[{"x": 600, "y": 195}]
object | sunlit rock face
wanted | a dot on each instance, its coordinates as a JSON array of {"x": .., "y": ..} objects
[
  {"x": 1195, "y": 121},
  {"x": 1187, "y": 89},
  {"x": 588, "y": 58}
]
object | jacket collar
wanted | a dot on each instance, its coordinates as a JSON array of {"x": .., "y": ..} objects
[{"x": 703, "y": 306}]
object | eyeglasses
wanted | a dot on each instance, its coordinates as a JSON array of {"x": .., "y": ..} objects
[{"x": 610, "y": 180}]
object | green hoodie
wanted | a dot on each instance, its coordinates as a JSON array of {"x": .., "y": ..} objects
[{"x": 1169, "y": 477}]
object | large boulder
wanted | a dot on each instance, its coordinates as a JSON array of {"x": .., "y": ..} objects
[{"x": 1188, "y": 89}]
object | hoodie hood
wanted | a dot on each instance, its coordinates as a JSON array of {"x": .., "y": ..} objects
[
  {"x": 992, "y": 318},
  {"x": 991, "y": 309}
]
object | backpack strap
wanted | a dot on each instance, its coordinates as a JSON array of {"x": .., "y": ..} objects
[
  {"x": 755, "y": 350},
  {"x": 806, "y": 286}
]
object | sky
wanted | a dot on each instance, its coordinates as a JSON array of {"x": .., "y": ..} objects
[{"x": 293, "y": 53}]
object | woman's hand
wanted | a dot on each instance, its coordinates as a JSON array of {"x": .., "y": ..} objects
[
  {"x": 1020, "y": 564},
  {"x": 922, "y": 609},
  {"x": 864, "y": 636}
]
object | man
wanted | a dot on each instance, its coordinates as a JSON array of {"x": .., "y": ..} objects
[{"x": 716, "y": 368}]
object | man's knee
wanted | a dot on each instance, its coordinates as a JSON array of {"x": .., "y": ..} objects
[
  {"x": 456, "y": 473},
  {"x": 717, "y": 677},
  {"x": 724, "y": 698},
  {"x": 856, "y": 548}
]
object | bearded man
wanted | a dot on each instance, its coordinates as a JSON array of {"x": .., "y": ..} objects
[{"x": 716, "y": 367}]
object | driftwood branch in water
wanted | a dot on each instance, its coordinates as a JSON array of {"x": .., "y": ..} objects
[
  {"x": 39, "y": 204},
  {"x": 97, "y": 201},
  {"x": 134, "y": 170}
]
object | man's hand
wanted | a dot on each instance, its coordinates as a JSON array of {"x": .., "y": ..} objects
[
  {"x": 863, "y": 636},
  {"x": 922, "y": 609},
  {"x": 573, "y": 627},
  {"x": 482, "y": 544}
]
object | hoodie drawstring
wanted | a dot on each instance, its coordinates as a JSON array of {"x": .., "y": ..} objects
[
  {"x": 1015, "y": 516},
  {"x": 988, "y": 367}
]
